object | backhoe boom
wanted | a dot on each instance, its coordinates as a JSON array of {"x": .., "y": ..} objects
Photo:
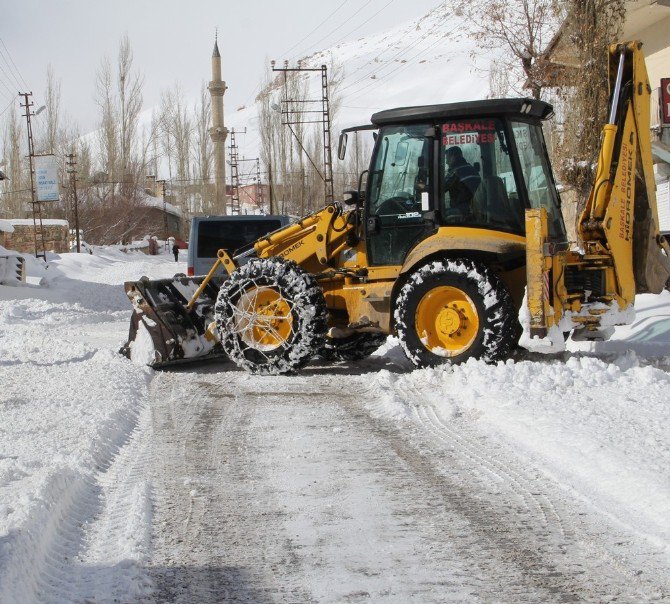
[{"x": 623, "y": 253}]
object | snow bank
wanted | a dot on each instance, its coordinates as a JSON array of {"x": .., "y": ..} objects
[
  {"x": 597, "y": 424},
  {"x": 68, "y": 403}
]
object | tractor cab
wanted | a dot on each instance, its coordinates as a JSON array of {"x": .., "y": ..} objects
[{"x": 475, "y": 165}]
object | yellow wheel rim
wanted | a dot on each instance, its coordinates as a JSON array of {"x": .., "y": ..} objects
[
  {"x": 447, "y": 321},
  {"x": 263, "y": 318}
]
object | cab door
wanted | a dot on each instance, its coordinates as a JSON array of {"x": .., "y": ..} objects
[{"x": 399, "y": 193}]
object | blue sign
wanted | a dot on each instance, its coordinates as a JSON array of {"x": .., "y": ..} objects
[{"x": 46, "y": 178}]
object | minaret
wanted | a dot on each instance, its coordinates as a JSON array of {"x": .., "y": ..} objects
[{"x": 218, "y": 131}]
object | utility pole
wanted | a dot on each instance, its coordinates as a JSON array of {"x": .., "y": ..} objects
[
  {"x": 255, "y": 198},
  {"x": 165, "y": 216},
  {"x": 299, "y": 111},
  {"x": 74, "y": 207},
  {"x": 271, "y": 184},
  {"x": 259, "y": 186},
  {"x": 234, "y": 172},
  {"x": 37, "y": 208}
]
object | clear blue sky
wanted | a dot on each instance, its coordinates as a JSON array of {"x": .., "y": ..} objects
[{"x": 172, "y": 41}]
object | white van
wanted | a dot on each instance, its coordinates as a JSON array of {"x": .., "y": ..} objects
[{"x": 231, "y": 233}]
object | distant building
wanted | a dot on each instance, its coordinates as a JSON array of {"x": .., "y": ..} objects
[
  {"x": 20, "y": 236},
  {"x": 155, "y": 213},
  {"x": 254, "y": 197}
]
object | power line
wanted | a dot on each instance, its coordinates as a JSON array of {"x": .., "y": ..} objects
[
  {"x": 4, "y": 83},
  {"x": 317, "y": 27},
  {"x": 14, "y": 65},
  {"x": 370, "y": 19},
  {"x": 9, "y": 105},
  {"x": 342, "y": 25},
  {"x": 15, "y": 191},
  {"x": 399, "y": 53},
  {"x": 259, "y": 87},
  {"x": 400, "y": 67}
]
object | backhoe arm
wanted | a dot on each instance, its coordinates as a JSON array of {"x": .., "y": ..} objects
[
  {"x": 623, "y": 252},
  {"x": 312, "y": 241}
]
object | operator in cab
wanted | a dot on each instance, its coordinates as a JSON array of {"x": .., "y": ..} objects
[{"x": 461, "y": 181}]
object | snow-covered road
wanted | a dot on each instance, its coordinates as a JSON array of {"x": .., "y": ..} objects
[{"x": 533, "y": 480}]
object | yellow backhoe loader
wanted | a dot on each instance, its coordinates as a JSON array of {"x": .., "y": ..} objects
[{"x": 458, "y": 217}]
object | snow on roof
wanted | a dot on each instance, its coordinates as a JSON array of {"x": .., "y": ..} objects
[
  {"x": 157, "y": 202},
  {"x": 45, "y": 222},
  {"x": 6, "y": 226}
]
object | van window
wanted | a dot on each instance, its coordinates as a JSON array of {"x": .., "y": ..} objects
[{"x": 231, "y": 235}]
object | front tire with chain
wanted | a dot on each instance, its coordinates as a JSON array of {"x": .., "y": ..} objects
[
  {"x": 452, "y": 310},
  {"x": 271, "y": 316}
]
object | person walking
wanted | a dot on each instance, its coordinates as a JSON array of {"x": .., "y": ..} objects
[{"x": 175, "y": 251}]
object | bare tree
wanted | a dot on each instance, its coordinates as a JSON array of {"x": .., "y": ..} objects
[
  {"x": 16, "y": 190},
  {"x": 84, "y": 158},
  {"x": 108, "y": 130},
  {"x": 499, "y": 79},
  {"x": 203, "y": 150},
  {"x": 274, "y": 140},
  {"x": 293, "y": 155},
  {"x": 52, "y": 99},
  {"x": 119, "y": 98},
  {"x": 522, "y": 28},
  {"x": 590, "y": 27},
  {"x": 129, "y": 84}
]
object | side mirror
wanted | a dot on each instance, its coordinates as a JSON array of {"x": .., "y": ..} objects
[
  {"x": 350, "y": 198},
  {"x": 342, "y": 146}
]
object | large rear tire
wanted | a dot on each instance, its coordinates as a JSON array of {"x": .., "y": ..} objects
[
  {"x": 271, "y": 316},
  {"x": 453, "y": 310}
]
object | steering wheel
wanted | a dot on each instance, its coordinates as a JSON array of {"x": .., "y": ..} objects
[{"x": 396, "y": 205}]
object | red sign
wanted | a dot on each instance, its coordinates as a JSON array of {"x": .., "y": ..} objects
[
  {"x": 665, "y": 100},
  {"x": 468, "y": 132}
]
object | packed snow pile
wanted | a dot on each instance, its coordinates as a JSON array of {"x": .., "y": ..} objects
[
  {"x": 596, "y": 418},
  {"x": 12, "y": 268},
  {"x": 6, "y": 226},
  {"x": 68, "y": 402},
  {"x": 600, "y": 426}
]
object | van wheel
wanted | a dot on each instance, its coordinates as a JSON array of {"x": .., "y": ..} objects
[
  {"x": 453, "y": 310},
  {"x": 271, "y": 316}
]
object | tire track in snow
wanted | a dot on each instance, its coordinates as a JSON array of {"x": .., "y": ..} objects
[
  {"x": 45, "y": 564},
  {"x": 596, "y": 538},
  {"x": 583, "y": 534},
  {"x": 470, "y": 449},
  {"x": 203, "y": 456},
  {"x": 465, "y": 444},
  {"x": 442, "y": 517}
]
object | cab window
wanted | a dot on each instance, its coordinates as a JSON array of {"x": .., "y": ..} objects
[
  {"x": 400, "y": 208},
  {"x": 399, "y": 180},
  {"x": 479, "y": 188},
  {"x": 531, "y": 149}
]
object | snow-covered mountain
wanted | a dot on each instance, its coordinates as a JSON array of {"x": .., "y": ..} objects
[{"x": 423, "y": 61}]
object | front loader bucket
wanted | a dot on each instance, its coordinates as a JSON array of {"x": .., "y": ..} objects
[{"x": 162, "y": 330}]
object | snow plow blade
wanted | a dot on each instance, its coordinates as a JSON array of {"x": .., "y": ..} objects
[{"x": 162, "y": 330}]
